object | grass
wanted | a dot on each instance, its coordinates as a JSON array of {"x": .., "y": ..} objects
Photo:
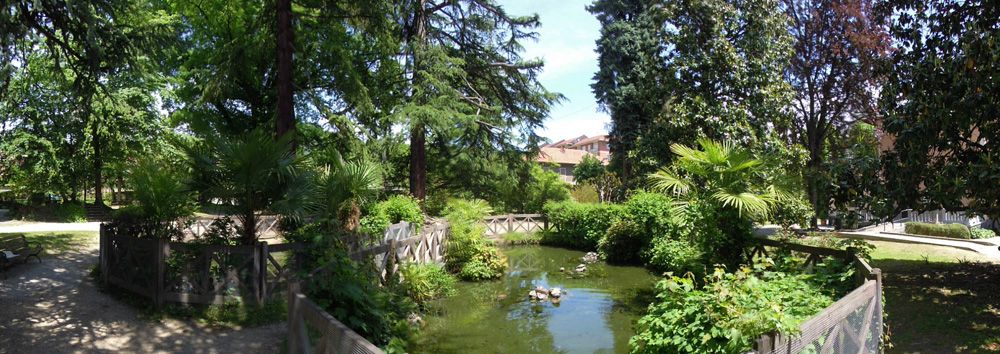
[
  {"x": 518, "y": 238},
  {"x": 62, "y": 241},
  {"x": 939, "y": 299}
]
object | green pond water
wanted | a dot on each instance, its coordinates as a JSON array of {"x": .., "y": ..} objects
[{"x": 596, "y": 315}]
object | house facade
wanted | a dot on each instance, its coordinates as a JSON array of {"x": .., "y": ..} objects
[{"x": 563, "y": 156}]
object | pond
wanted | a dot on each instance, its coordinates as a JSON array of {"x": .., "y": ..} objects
[{"x": 596, "y": 314}]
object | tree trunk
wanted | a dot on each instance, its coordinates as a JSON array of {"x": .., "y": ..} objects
[
  {"x": 418, "y": 133},
  {"x": 249, "y": 228},
  {"x": 98, "y": 165},
  {"x": 812, "y": 180},
  {"x": 418, "y": 163},
  {"x": 285, "y": 122}
]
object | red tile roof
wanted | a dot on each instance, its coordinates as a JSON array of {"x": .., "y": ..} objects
[
  {"x": 603, "y": 138},
  {"x": 567, "y": 156}
]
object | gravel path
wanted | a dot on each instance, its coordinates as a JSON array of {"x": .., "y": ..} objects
[{"x": 54, "y": 307}]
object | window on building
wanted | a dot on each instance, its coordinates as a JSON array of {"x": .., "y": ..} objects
[{"x": 562, "y": 171}]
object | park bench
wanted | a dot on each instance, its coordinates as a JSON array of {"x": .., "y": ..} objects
[{"x": 14, "y": 247}]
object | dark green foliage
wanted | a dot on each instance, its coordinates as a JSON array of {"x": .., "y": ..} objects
[
  {"x": 390, "y": 211},
  {"x": 792, "y": 211},
  {"x": 162, "y": 198},
  {"x": 646, "y": 216},
  {"x": 589, "y": 168},
  {"x": 980, "y": 233},
  {"x": 468, "y": 253},
  {"x": 949, "y": 230},
  {"x": 728, "y": 313},
  {"x": 345, "y": 290},
  {"x": 68, "y": 212},
  {"x": 940, "y": 101},
  {"x": 624, "y": 242},
  {"x": 424, "y": 283},
  {"x": 580, "y": 225},
  {"x": 54, "y": 212}
]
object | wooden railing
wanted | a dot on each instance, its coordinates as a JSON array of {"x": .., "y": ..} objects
[
  {"x": 427, "y": 247},
  {"x": 196, "y": 228},
  {"x": 334, "y": 337},
  {"x": 853, "y": 324},
  {"x": 526, "y": 223},
  {"x": 203, "y": 274}
]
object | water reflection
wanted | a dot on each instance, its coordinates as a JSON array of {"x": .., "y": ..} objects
[{"x": 596, "y": 314}]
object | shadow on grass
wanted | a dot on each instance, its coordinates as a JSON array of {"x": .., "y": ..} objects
[{"x": 942, "y": 307}]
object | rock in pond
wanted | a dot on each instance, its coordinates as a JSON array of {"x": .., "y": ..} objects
[
  {"x": 542, "y": 296},
  {"x": 555, "y": 293}
]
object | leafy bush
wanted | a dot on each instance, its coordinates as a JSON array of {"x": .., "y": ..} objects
[
  {"x": 624, "y": 242},
  {"x": 581, "y": 225},
  {"x": 792, "y": 211},
  {"x": 68, "y": 212},
  {"x": 390, "y": 211},
  {"x": 728, "y": 313},
  {"x": 585, "y": 193},
  {"x": 546, "y": 186},
  {"x": 133, "y": 221},
  {"x": 949, "y": 230},
  {"x": 424, "y": 283},
  {"x": 345, "y": 290},
  {"x": 468, "y": 253},
  {"x": 675, "y": 256},
  {"x": 980, "y": 233}
]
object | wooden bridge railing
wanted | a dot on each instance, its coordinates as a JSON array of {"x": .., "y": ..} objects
[
  {"x": 334, "y": 337},
  {"x": 526, "y": 223},
  {"x": 853, "y": 324}
]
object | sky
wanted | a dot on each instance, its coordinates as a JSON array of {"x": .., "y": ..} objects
[{"x": 566, "y": 43}]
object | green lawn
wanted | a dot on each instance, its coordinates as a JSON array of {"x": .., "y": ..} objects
[
  {"x": 939, "y": 299},
  {"x": 58, "y": 242}
]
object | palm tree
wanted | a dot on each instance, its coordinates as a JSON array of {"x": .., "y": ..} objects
[
  {"x": 345, "y": 186},
  {"x": 740, "y": 187},
  {"x": 253, "y": 173}
]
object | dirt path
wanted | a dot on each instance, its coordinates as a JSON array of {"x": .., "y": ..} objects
[{"x": 54, "y": 307}]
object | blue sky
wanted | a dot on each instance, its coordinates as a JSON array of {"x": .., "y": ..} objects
[{"x": 566, "y": 42}]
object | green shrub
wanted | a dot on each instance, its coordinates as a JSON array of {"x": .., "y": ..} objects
[
  {"x": 424, "y": 283},
  {"x": 675, "y": 256},
  {"x": 581, "y": 225},
  {"x": 468, "y": 253},
  {"x": 345, "y": 290},
  {"x": 624, "y": 242},
  {"x": 950, "y": 230},
  {"x": 68, "y": 212},
  {"x": 793, "y": 211},
  {"x": 585, "y": 193},
  {"x": 980, "y": 233},
  {"x": 133, "y": 221},
  {"x": 728, "y": 313},
  {"x": 390, "y": 211}
]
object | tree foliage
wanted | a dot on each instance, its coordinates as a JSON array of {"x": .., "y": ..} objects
[{"x": 940, "y": 102}]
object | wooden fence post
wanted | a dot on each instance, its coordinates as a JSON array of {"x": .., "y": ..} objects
[
  {"x": 260, "y": 278},
  {"x": 293, "y": 288},
  {"x": 104, "y": 255},
  {"x": 765, "y": 344},
  {"x": 510, "y": 223},
  {"x": 160, "y": 259}
]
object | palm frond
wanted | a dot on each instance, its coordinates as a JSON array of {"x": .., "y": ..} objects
[
  {"x": 744, "y": 202},
  {"x": 665, "y": 181}
]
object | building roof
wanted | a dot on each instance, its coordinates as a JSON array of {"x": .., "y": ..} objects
[
  {"x": 568, "y": 156},
  {"x": 603, "y": 138},
  {"x": 566, "y": 142}
]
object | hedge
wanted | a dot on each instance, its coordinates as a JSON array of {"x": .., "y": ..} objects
[
  {"x": 580, "y": 225},
  {"x": 949, "y": 230}
]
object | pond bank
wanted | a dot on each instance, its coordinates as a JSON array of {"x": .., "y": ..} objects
[{"x": 596, "y": 314}]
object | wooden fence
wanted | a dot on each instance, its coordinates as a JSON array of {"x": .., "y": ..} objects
[
  {"x": 196, "y": 228},
  {"x": 426, "y": 247},
  {"x": 304, "y": 317},
  {"x": 853, "y": 324},
  {"x": 526, "y": 223},
  {"x": 201, "y": 274}
]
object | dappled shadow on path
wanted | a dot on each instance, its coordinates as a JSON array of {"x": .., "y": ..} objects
[
  {"x": 942, "y": 307},
  {"x": 54, "y": 306}
]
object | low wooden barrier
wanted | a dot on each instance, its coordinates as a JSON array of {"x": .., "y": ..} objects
[
  {"x": 334, "y": 337},
  {"x": 200, "y": 274},
  {"x": 853, "y": 324},
  {"x": 427, "y": 247},
  {"x": 526, "y": 223}
]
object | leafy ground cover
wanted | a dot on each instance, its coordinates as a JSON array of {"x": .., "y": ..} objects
[{"x": 939, "y": 299}]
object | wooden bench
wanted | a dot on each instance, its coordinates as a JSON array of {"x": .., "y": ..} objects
[{"x": 15, "y": 247}]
